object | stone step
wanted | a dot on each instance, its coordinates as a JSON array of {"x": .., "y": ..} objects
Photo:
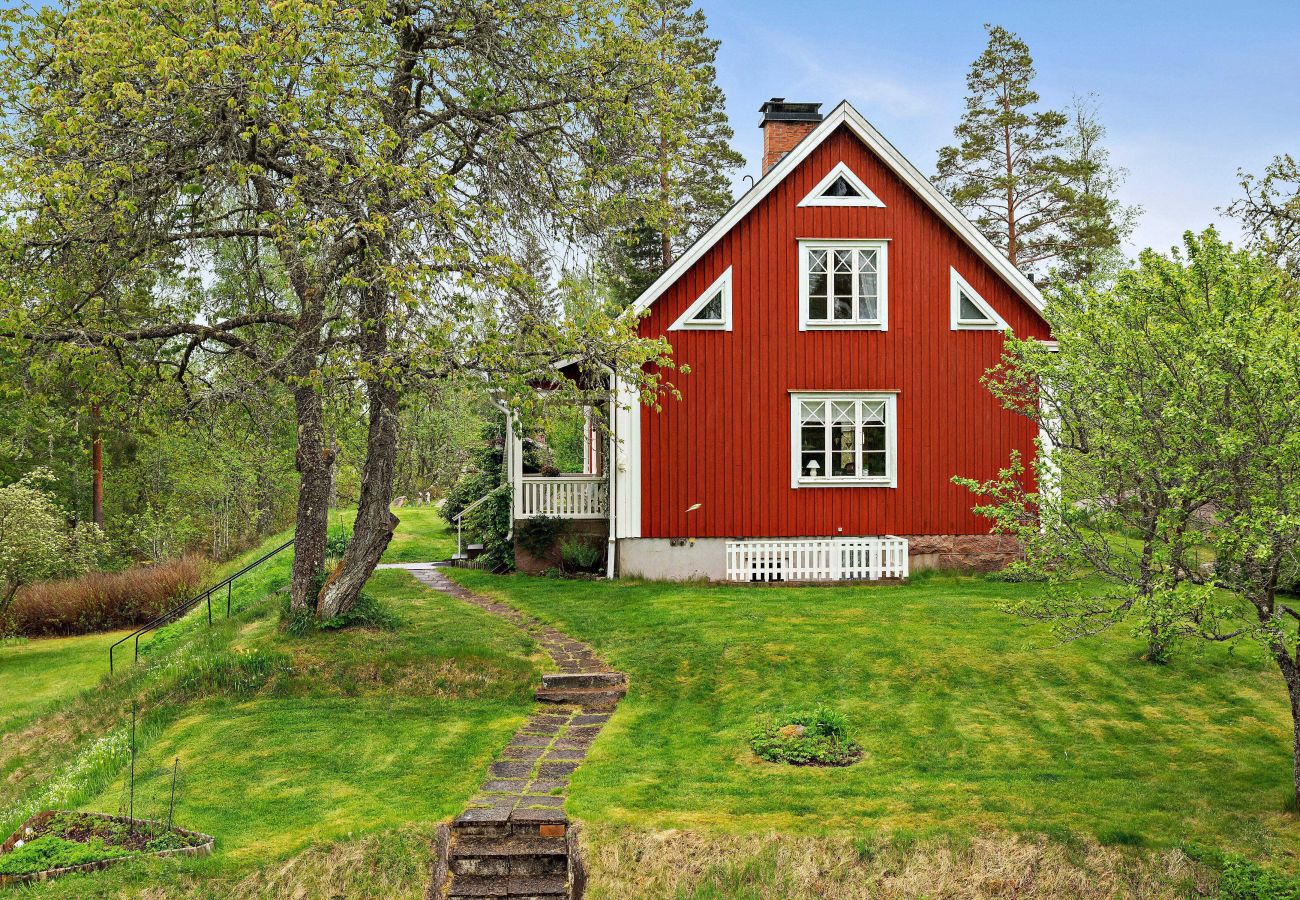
[
  {"x": 584, "y": 680},
  {"x": 521, "y": 888},
  {"x": 511, "y": 866},
  {"x": 489, "y": 822},
  {"x": 512, "y": 846},
  {"x": 588, "y": 698}
]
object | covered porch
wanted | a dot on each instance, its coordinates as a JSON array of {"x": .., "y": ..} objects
[{"x": 541, "y": 487}]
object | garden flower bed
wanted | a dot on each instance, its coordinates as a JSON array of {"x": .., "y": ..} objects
[{"x": 54, "y": 843}]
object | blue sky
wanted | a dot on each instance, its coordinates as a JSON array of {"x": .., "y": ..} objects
[{"x": 1190, "y": 91}]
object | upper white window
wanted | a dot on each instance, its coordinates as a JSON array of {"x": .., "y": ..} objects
[
  {"x": 841, "y": 187},
  {"x": 711, "y": 310},
  {"x": 970, "y": 311},
  {"x": 843, "y": 284},
  {"x": 843, "y": 439}
]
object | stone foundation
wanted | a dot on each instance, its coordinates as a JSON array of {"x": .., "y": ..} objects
[
  {"x": 594, "y": 530},
  {"x": 961, "y": 552}
]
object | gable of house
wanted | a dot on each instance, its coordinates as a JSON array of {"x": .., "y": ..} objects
[{"x": 724, "y": 461}]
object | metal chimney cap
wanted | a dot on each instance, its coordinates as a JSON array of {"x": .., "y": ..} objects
[{"x": 777, "y": 110}]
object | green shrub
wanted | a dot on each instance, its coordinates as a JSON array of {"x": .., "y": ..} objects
[
  {"x": 337, "y": 540},
  {"x": 538, "y": 535},
  {"x": 50, "y": 852},
  {"x": 581, "y": 554},
  {"x": 1245, "y": 880},
  {"x": 492, "y": 522},
  {"x": 802, "y": 738},
  {"x": 367, "y": 612}
]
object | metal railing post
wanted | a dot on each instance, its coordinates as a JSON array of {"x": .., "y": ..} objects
[{"x": 229, "y": 588}]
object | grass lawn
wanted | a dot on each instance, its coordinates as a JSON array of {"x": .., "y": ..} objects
[
  {"x": 40, "y": 673},
  {"x": 971, "y": 719},
  {"x": 423, "y": 535},
  {"x": 331, "y": 771}
]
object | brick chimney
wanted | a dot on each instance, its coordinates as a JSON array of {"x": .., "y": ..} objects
[{"x": 784, "y": 125}]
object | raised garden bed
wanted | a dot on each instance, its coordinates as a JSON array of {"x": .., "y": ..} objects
[
  {"x": 54, "y": 843},
  {"x": 805, "y": 738}
]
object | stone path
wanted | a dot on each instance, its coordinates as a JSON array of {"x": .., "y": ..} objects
[{"x": 513, "y": 839}]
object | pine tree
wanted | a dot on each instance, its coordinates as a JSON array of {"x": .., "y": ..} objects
[
  {"x": 690, "y": 187},
  {"x": 1038, "y": 189}
]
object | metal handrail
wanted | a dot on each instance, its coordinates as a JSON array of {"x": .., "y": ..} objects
[
  {"x": 459, "y": 517},
  {"x": 177, "y": 611}
]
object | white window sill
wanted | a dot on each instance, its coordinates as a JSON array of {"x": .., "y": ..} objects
[
  {"x": 845, "y": 482},
  {"x": 843, "y": 326}
]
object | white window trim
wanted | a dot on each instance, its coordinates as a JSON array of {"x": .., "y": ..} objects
[
  {"x": 879, "y": 244},
  {"x": 815, "y": 197},
  {"x": 957, "y": 284},
  {"x": 684, "y": 321},
  {"x": 888, "y": 480}
]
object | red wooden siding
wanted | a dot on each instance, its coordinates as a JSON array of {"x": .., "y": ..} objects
[{"x": 726, "y": 444}]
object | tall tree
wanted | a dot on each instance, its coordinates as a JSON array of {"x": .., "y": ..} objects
[
  {"x": 386, "y": 155},
  {"x": 1270, "y": 211},
  {"x": 1170, "y": 499},
  {"x": 684, "y": 185},
  {"x": 1038, "y": 192}
]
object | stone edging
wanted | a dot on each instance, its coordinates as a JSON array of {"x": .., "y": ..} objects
[{"x": 202, "y": 849}]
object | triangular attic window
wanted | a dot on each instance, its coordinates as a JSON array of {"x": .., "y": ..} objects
[
  {"x": 968, "y": 312},
  {"x": 710, "y": 311},
  {"x": 840, "y": 187}
]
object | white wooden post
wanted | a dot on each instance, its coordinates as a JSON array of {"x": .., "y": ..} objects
[{"x": 516, "y": 466}]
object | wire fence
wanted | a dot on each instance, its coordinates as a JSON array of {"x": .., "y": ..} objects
[{"x": 148, "y": 797}]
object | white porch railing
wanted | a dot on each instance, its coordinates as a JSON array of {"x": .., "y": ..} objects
[
  {"x": 561, "y": 496},
  {"x": 817, "y": 559}
]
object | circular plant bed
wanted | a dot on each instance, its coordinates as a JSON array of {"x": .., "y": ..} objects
[
  {"x": 802, "y": 738},
  {"x": 53, "y": 843}
]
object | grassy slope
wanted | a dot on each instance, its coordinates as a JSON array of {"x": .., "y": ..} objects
[
  {"x": 41, "y": 673},
  {"x": 971, "y": 719},
  {"x": 372, "y": 732},
  {"x": 422, "y": 536}
]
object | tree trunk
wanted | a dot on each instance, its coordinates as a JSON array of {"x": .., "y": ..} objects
[
  {"x": 375, "y": 521},
  {"x": 96, "y": 470},
  {"x": 313, "y": 461},
  {"x": 1292, "y": 678}
]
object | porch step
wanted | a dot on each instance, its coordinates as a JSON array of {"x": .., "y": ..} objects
[
  {"x": 570, "y": 680},
  {"x": 598, "y": 699}
]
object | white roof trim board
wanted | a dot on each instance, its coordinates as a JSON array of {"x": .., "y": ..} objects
[
  {"x": 687, "y": 320},
  {"x": 845, "y": 114},
  {"x": 866, "y": 196}
]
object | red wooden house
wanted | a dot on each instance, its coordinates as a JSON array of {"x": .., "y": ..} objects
[{"x": 836, "y": 322}]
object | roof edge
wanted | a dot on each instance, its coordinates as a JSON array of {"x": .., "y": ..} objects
[{"x": 845, "y": 114}]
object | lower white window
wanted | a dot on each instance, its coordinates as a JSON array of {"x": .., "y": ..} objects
[{"x": 841, "y": 438}]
